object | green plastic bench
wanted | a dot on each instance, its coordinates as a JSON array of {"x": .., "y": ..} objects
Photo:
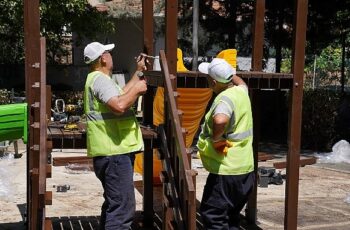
[{"x": 14, "y": 122}]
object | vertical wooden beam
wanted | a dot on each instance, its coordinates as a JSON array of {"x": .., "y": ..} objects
[
  {"x": 32, "y": 75},
  {"x": 148, "y": 184},
  {"x": 43, "y": 119},
  {"x": 48, "y": 101},
  {"x": 258, "y": 46},
  {"x": 251, "y": 211},
  {"x": 294, "y": 131},
  {"x": 147, "y": 20},
  {"x": 171, "y": 7},
  {"x": 32, "y": 45},
  {"x": 258, "y": 35},
  {"x": 34, "y": 204}
]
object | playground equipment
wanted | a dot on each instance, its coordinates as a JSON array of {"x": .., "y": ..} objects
[
  {"x": 178, "y": 179},
  {"x": 230, "y": 55},
  {"x": 180, "y": 66},
  {"x": 13, "y": 122},
  {"x": 191, "y": 101}
]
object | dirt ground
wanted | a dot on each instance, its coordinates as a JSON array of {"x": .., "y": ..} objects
[{"x": 324, "y": 195}]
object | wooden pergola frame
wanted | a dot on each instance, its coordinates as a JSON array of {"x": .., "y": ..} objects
[
  {"x": 38, "y": 147},
  {"x": 256, "y": 80}
]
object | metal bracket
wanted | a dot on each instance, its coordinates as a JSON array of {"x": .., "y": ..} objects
[{"x": 36, "y": 65}]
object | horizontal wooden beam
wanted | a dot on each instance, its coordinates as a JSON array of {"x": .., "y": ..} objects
[
  {"x": 302, "y": 163},
  {"x": 254, "y": 79},
  {"x": 63, "y": 161},
  {"x": 264, "y": 156}
]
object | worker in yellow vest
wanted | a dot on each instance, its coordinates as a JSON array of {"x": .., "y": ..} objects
[
  {"x": 225, "y": 147},
  {"x": 113, "y": 133}
]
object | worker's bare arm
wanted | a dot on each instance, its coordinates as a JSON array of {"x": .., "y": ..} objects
[
  {"x": 238, "y": 81},
  {"x": 219, "y": 122},
  {"x": 121, "y": 103}
]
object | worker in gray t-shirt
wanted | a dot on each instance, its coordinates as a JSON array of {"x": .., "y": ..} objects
[{"x": 113, "y": 133}]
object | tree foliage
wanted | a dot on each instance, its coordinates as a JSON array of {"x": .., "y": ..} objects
[
  {"x": 11, "y": 31},
  {"x": 319, "y": 119},
  {"x": 219, "y": 27},
  {"x": 229, "y": 24},
  {"x": 58, "y": 18}
]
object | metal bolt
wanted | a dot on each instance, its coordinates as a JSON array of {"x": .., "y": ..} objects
[{"x": 36, "y": 65}]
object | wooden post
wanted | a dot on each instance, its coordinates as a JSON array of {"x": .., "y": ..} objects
[
  {"x": 32, "y": 75},
  {"x": 258, "y": 45},
  {"x": 147, "y": 20},
  {"x": 171, "y": 34},
  {"x": 294, "y": 131}
]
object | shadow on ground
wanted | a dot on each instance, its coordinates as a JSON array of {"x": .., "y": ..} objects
[
  {"x": 80, "y": 223},
  {"x": 92, "y": 222},
  {"x": 11, "y": 226}
]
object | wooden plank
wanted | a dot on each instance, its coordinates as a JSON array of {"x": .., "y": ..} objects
[
  {"x": 58, "y": 133},
  {"x": 176, "y": 163},
  {"x": 63, "y": 161},
  {"x": 43, "y": 120},
  {"x": 48, "y": 100},
  {"x": 32, "y": 74},
  {"x": 171, "y": 11},
  {"x": 251, "y": 211},
  {"x": 54, "y": 133},
  {"x": 148, "y": 133},
  {"x": 191, "y": 201},
  {"x": 34, "y": 203},
  {"x": 48, "y": 198},
  {"x": 32, "y": 45},
  {"x": 264, "y": 157},
  {"x": 295, "y": 110},
  {"x": 147, "y": 19},
  {"x": 48, "y": 224},
  {"x": 302, "y": 163},
  {"x": 148, "y": 183},
  {"x": 258, "y": 35}
]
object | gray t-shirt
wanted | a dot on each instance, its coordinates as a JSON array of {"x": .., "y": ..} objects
[
  {"x": 104, "y": 88},
  {"x": 223, "y": 108}
]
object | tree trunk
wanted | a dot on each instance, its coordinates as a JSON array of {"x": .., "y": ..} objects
[{"x": 343, "y": 62}]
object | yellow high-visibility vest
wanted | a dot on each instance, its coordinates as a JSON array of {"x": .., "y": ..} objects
[
  {"x": 239, "y": 158},
  {"x": 109, "y": 133}
]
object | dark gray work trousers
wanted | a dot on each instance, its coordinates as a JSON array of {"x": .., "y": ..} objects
[
  {"x": 116, "y": 175},
  {"x": 224, "y": 197}
]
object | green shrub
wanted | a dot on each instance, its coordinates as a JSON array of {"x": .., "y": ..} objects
[
  {"x": 319, "y": 119},
  {"x": 4, "y": 96}
]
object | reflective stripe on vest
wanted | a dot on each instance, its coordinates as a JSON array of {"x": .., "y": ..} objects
[
  {"x": 234, "y": 136},
  {"x": 240, "y": 136}
]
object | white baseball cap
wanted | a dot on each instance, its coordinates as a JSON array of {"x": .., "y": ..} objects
[
  {"x": 219, "y": 69},
  {"x": 94, "y": 50}
]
